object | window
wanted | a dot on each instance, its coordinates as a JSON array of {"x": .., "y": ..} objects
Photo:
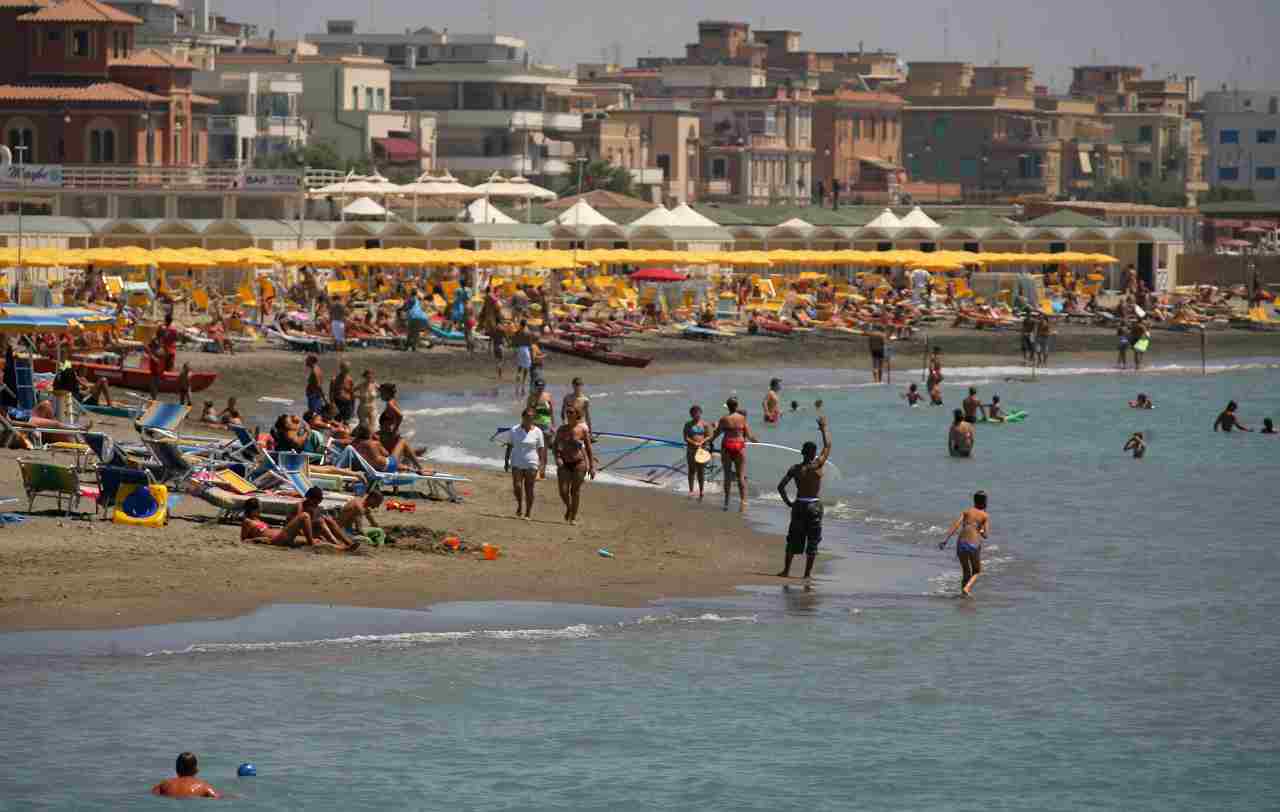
[
  {"x": 1267, "y": 173},
  {"x": 382, "y": 99},
  {"x": 664, "y": 163},
  {"x": 39, "y": 42},
  {"x": 21, "y": 137},
  {"x": 81, "y": 43},
  {"x": 1266, "y": 136},
  {"x": 1144, "y": 169},
  {"x": 102, "y": 146},
  {"x": 355, "y": 97},
  {"x": 719, "y": 168},
  {"x": 1228, "y": 173},
  {"x": 55, "y": 35},
  {"x": 1229, "y": 137},
  {"x": 1146, "y": 134},
  {"x": 368, "y": 99}
]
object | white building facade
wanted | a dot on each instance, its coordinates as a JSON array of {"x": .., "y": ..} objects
[{"x": 1243, "y": 132}]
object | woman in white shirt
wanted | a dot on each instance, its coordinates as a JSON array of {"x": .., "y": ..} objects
[{"x": 526, "y": 460}]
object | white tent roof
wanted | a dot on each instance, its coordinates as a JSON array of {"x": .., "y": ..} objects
[
  {"x": 374, "y": 184},
  {"x": 482, "y": 211},
  {"x": 658, "y": 217},
  {"x": 580, "y": 213},
  {"x": 685, "y": 216},
  {"x": 517, "y": 187},
  {"x": 918, "y": 219},
  {"x": 795, "y": 222},
  {"x": 445, "y": 185},
  {"x": 364, "y": 206},
  {"x": 885, "y": 219}
]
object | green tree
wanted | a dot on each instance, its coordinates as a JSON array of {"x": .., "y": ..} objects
[{"x": 598, "y": 175}]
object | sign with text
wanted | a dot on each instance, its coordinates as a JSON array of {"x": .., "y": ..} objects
[
  {"x": 33, "y": 175},
  {"x": 273, "y": 180}
]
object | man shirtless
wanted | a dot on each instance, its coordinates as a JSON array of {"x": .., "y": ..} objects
[
  {"x": 960, "y": 438},
  {"x": 772, "y": 408},
  {"x": 1228, "y": 420},
  {"x": 972, "y": 406},
  {"x": 185, "y": 784},
  {"x": 805, "y": 533},
  {"x": 578, "y": 401},
  {"x": 733, "y": 451},
  {"x": 359, "y": 510}
]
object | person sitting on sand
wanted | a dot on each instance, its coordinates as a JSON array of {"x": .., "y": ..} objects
[
  {"x": 230, "y": 416},
  {"x": 1142, "y": 402},
  {"x": 209, "y": 415},
  {"x": 72, "y": 383},
  {"x": 960, "y": 437},
  {"x": 1137, "y": 445},
  {"x": 185, "y": 784},
  {"x": 324, "y": 529},
  {"x": 359, "y": 510},
  {"x": 254, "y": 530}
]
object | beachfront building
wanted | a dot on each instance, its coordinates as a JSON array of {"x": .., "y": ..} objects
[
  {"x": 496, "y": 111},
  {"x": 757, "y": 145},
  {"x": 186, "y": 28},
  {"x": 1242, "y": 128},
  {"x": 258, "y": 115},
  {"x": 673, "y": 131},
  {"x": 74, "y": 89},
  {"x": 344, "y": 101},
  {"x": 857, "y": 140}
]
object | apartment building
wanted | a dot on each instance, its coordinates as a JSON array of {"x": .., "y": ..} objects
[
  {"x": 495, "y": 110},
  {"x": 757, "y": 145},
  {"x": 857, "y": 140},
  {"x": 1242, "y": 130},
  {"x": 673, "y": 132},
  {"x": 258, "y": 115}
]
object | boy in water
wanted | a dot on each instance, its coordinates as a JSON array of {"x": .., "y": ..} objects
[
  {"x": 805, "y": 533},
  {"x": 973, "y": 526},
  {"x": 912, "y": 395},
  {"x": 1137, "y": 445}
]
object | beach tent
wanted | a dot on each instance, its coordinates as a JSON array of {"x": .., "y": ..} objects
[
  {"x": 364, "y": 207},
  {"x": 885, "y": 219},
  {"x": 688, "y": 218},
  {"x": 795, "y": 222},
  {"x": 658, "y": 217},
  {"x": 580, "y": 214},
  {"x": 918, "y": 219},
  {"x": 479, "y": 211}
]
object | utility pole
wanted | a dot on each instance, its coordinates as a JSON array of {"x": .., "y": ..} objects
[{"x": 22, "y": 189}]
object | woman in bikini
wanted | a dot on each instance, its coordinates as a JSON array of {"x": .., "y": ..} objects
[
  {"x": 695, "y": 437},
  {"x": 575, "y": 460},
  {"x": 733, "y": 451},
  {"x": 973, "y": 526},
  {"x": 368, "y": 400},
  {"x": 255, "y": 531},
  {"x": 389, "y": 423}
]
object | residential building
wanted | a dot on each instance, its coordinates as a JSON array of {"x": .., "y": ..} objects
[
  {"x": 1108, "y": 85},
  {"x": 757, "y": 145},
  {"x": 259, "y": 113},
  {"x": 673, "y": 133},
  {"x": 1242, "y": 129},
  {"x": 74, "y": 89},
  {"x": 345, "y": 101},
  {"x": 1004, "y": 80},
  {"x": 1161, "y": 146},
  {"x": 938, "y": 79},
  {"x": 857, "y": 139},
  {"x": 496, "y": 111}
]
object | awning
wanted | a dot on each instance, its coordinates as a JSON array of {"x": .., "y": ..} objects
[
  {"x": 1086, "y": 165},
  {"x": 399, "y": 150},
  {"x": 887, "y": 166}
]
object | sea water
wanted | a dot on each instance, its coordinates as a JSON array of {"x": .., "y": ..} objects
[{"x": 1120, "y": 651}]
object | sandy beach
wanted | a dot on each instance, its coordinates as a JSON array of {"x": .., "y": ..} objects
[{"x": 85, "y": 573}]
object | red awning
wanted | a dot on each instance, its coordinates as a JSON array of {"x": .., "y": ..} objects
[
  {"x": 658, "y": 275},
  {"x": 399, "y": 150}
]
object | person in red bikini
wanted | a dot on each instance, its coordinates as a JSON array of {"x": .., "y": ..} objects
[
  {"x": 255, "y": 531},
  {"x": 733, "y": 451}
]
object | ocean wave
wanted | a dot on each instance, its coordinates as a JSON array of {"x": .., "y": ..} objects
[
  {"x": 474, "y": 408},
  {"x": 644, "y": 393},
  {"x": 574, "y": 632},
  {"x": 705, "y": 617},
  {"x": 967, "y": 373}
]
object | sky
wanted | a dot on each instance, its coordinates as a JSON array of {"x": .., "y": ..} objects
[{"x": 1227, "y": 41}]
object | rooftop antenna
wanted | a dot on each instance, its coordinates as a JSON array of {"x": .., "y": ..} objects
[
  {"x": 946, "y": 34},
  {"x": 999, "y": 47},
  {"x": 493, "y": 17},
  {"x": 617, "y": 53}
]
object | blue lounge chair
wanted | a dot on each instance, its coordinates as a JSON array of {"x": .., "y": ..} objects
[{"x": 439, "y": 486}]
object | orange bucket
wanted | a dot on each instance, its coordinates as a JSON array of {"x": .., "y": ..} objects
[{"x": 490, "y": 551}]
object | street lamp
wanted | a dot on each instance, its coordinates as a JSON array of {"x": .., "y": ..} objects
[{"x": 22, "y": 188}]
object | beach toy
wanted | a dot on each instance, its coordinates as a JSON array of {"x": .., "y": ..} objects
[
  {"x": 702, "y": 456},
  {"x": 403, "y": 507},
  {"x": 142, "y": 505},
  {"x": 490, "y": 551},
  {"x": 376, "y": 535},
  {"x": 453, "y": 543},
  {"x": 603, "y": 553},
  {"x": 246, "y": 770}
]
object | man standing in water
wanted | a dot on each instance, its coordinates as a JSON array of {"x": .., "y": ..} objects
[
  {"x": 972, "y": 406},
  {"x": 875, "y": 345},
  {"x": 578, "y": 401},
  {"x": 185, "y": 784},
  {"x": 772, "y": 408},
  {"x": 973, "y": 526},
  {"x": 805, "y": 533},
  {"x": 1227, "y": 420},
  {"x": 960, "y": 438},
  {"x": 733, "y": 452}
]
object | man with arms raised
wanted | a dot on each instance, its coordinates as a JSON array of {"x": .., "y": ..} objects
[{"x": 805, "y": 533}]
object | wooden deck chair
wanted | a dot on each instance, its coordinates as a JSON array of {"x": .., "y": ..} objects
[{"x": 48, "y": 479}]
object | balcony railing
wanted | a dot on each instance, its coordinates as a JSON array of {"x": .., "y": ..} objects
[{"x": 108, "y": 177}]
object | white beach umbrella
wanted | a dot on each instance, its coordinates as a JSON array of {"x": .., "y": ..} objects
[
  {"x": 885, "y": 219},
  {"x": 581, "y": 213},
  {"x": 657, "y": 217},
  {"x": 918, "y": 219},
  {"x": 684, "y": 215},
  {"x": 479, "y": 211},
  {"x": 364, "y": 207}
]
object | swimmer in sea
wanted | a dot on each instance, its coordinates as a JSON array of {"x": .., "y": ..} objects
[
  {"x": 995, "y": 413},
  {"x": 1142, "y": 402},
  {"x": 1268, "y": 427},
  {"x": 960, "y": 437},
  {"x": 1227, "y": 420},
  {"x": 935, "y": 395},
  {"x": 733, "y": 451},
  {"x": 1137, "y": 445},
  {"x": 805, "y": 532},
  {"x": 912, "y": 395},
  {"x": 973, "y": 525},
  {"x": 185, "y": 784},
  {"x": 695, "y": 437},
  {"x": 795, "y": 406},
  {"x": 972, "y": 406},
  {"x": 772, "y": 409}
]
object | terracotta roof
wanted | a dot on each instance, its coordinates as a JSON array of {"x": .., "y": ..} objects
[
  {"x": 151, "y": 58},
  {"x": 23, "y": 3},
  {"x": 110, "y": 92},
  {"x": 79, "y": 11}
]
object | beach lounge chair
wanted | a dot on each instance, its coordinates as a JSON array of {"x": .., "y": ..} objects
[
  {"x": 112, "y": 477},
  {"x": 48, "y": 479},
  {"x": 438, "y": 485},
  {"x": 303, "y": 343}
]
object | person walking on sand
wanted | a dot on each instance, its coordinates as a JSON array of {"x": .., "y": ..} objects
[
  {"x": 575, "y": 460},
  {"x": 1227, "y": 419},
  {"x": 960, "y": 437},
  {"x": 733, "y": 451},
  {"x": 342, "y": 393},
  {"x": 973, "y": 526},
  {"x": 1137, "y": 444},
  {"x": 805, "y": 532},
  {"x": 771, "y": 406},
  {"x": 185, "y": 784},
  {"x": 526, "y": 460},
  {"x": 315, "y": 385},
  {"x": 338, "y": 324},
  {"x": 522, "y": 344},
  {"x": 368, "y": 395},
  {"x": 875, "y": 345},
  {"x": 696, "y": 456}
]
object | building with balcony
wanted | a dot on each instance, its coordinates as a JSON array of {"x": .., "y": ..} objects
[
  {"x": 757, "y": 145},
  {"x": 1242, "y": 131},
  {"x": 857, "y": 140},
  {"x": 495, "y": 110},
  {"x": 75, "y": 89},
  {"x": 259, "y": 114},
  {"x": 673, "y": 134},
  {"x": 343, "y": 101}
]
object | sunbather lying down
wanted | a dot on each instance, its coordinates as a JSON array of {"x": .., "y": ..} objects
[
  {"x": 377, "y": 455},
  {"x": 17, "y": 438}
]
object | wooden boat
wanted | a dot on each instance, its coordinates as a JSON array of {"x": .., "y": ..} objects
[
  {"x": 135, "y": 378},
  {"x": 595, "y": 351}
]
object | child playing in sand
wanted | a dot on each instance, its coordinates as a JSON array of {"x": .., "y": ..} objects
[
  {"x": 230, "y": 416},
  {"x": 208, "y": 415}
]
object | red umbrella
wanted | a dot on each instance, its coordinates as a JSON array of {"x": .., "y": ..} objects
[{"x": 658, "y": 275}]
